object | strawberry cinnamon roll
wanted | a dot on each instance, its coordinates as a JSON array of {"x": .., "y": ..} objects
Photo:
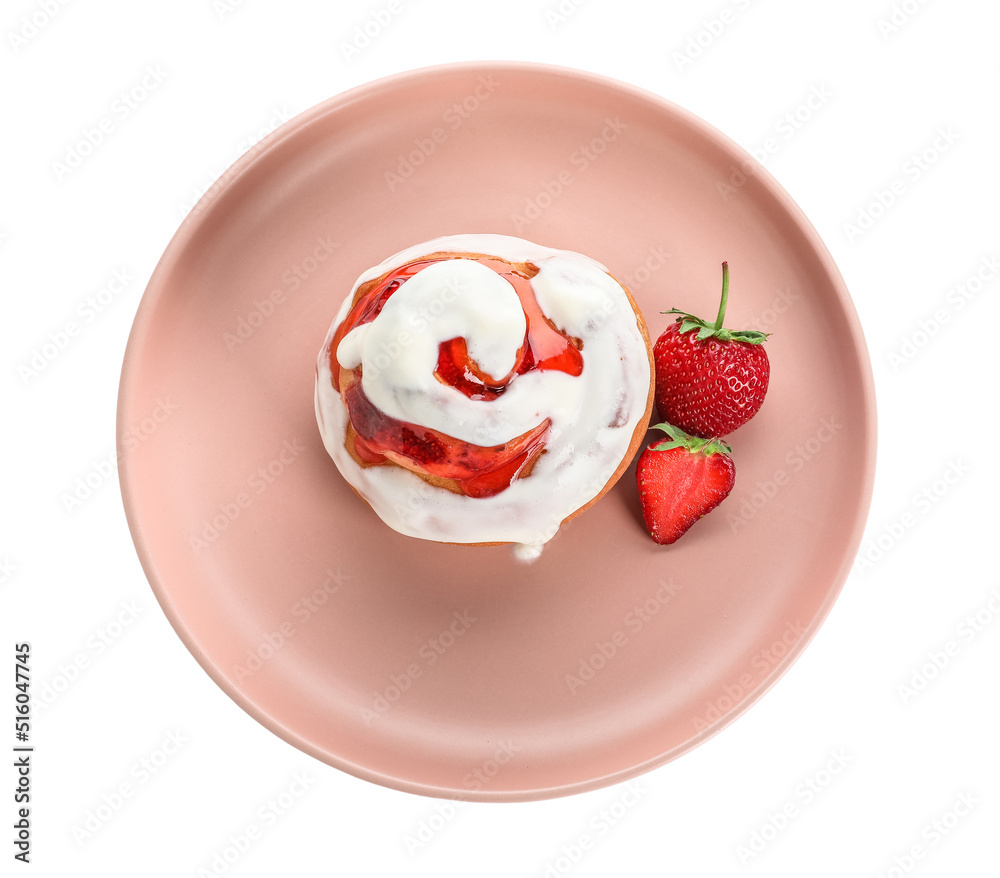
[{"x": 481, "y": 389}]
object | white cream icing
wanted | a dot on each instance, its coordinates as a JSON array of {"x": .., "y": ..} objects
[{"x": 594, "y": 415}]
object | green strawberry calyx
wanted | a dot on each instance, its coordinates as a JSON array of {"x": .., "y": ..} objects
[
  {"x": 694, "y": 444},
  {"x": 705, "y": 329}
]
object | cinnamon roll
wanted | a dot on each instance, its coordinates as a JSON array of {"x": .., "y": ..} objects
[{"x": 481, "y": 389}]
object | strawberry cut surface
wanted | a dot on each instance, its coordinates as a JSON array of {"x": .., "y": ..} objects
[{"x": 680, "y": 481}]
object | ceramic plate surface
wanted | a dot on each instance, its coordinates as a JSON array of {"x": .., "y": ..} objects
[{"x": 456, "y": 671}]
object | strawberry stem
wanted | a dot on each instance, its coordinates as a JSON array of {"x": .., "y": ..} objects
[
  {"x": 705, "y": 330},
  {"x": 725, "y": 296}
]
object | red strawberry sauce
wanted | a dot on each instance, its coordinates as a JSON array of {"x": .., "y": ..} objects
[{"x": 479, "y": 471}]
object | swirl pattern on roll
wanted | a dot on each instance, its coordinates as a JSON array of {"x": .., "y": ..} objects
[{"x": 483, "y": 389}]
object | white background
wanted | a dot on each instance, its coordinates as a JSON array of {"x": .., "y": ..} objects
[{"x": 218, "y": 76}]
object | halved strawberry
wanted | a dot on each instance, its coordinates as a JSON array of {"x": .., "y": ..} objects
[{"x": 681, "y": 479}]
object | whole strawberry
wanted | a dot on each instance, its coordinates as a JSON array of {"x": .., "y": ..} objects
[
  {"x": 709, "y": 380},
  {"x": 681, "y": 479}
]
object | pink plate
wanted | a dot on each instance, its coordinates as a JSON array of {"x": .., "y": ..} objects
[{"x": 455, "y": 671}]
